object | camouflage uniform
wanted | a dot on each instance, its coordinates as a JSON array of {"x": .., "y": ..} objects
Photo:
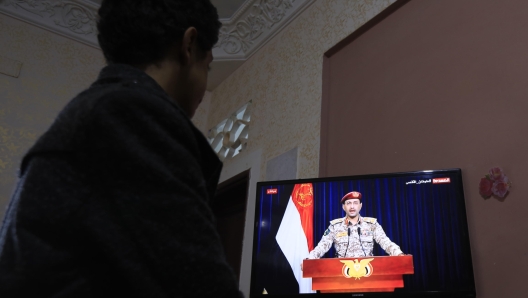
[{"x": 337, "y": 233}]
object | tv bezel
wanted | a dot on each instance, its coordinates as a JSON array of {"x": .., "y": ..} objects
[{"x": 462, "y": 214}]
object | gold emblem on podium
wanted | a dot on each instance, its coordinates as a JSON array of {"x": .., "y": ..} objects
[{"x": 357, "y": 269}]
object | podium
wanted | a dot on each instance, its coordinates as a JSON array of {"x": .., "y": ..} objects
[{"x": 366, "y": 274}]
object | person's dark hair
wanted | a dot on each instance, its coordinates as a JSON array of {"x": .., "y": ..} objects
[{"x": 142, "y": 31}]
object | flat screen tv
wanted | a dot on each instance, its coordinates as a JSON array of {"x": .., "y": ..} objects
[{"x": 423, "y": 212}]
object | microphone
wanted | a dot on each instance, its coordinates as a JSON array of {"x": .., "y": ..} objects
[
  {"x": 349, "y": 231},
  {"x": 361, "y": 242}
]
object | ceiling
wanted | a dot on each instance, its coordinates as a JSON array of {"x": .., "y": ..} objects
[
  {"x": 247, "y": 25},
  {"x": 225, "y": 8}
]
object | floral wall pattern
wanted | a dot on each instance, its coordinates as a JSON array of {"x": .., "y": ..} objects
[
  {"x": 70, "y": 15},
  {"x": 54, "y": 69},
  {"x": 75, "y": 19}
]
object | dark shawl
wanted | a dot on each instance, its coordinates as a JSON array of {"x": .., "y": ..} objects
[{"x": 113, "y": 200}]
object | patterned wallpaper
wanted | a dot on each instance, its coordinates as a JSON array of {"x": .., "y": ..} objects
[
  {"x": 284, "y": 80},
  {"x": 54, "y": 69}
]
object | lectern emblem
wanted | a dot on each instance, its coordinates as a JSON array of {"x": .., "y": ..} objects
[{"x": 353, "y": 268}]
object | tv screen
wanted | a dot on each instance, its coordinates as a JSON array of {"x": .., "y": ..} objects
[{"x": 407, "y": 236}]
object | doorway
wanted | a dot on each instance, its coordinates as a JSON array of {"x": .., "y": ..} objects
[{"x": 229, "y": 208}]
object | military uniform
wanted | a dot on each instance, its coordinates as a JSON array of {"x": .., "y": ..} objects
[{"x": 350, "y": 246}]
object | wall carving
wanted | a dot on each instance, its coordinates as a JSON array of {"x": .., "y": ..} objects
[
  {"x": 238, "y": 37},
  {"x": 74, "y": 18},
  {"x": 253, "y": 25},
  {"x": 230, "y": 136},
  {"x": 249, "y": 28}
]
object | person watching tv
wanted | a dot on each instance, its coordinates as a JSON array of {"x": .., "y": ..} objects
[{"x": 114, "y": 200}]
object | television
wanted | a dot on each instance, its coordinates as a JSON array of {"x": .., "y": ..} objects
[{"x": 423, "y": 212}]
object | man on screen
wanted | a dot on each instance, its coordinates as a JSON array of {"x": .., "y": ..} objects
[{"x": 353, "y": 236}]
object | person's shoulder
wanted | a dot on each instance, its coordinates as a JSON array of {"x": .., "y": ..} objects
[
  {"x": 336, "y": 221},
  {"x": 124, "y": 96},
  {"x": 370, "y": 220},
  {"x": 123, "y": 86},
  {"x": 128, "y": 102}
]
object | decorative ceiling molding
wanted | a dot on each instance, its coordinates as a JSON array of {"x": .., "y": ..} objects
[
  {"x": 252, "y": 25},
  {"x": 75, "y": 19},
  {"x": 256, "y": 22}
]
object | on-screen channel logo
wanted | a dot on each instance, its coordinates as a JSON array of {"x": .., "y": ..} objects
[
  {"x": 441, "y": 180},
  {"x": 271, "y": 191}
]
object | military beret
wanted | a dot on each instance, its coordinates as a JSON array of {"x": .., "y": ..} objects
[{"x": 351, "y": 195}]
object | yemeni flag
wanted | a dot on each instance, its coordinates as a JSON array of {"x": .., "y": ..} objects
[{"x": 295, "y": 234}]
